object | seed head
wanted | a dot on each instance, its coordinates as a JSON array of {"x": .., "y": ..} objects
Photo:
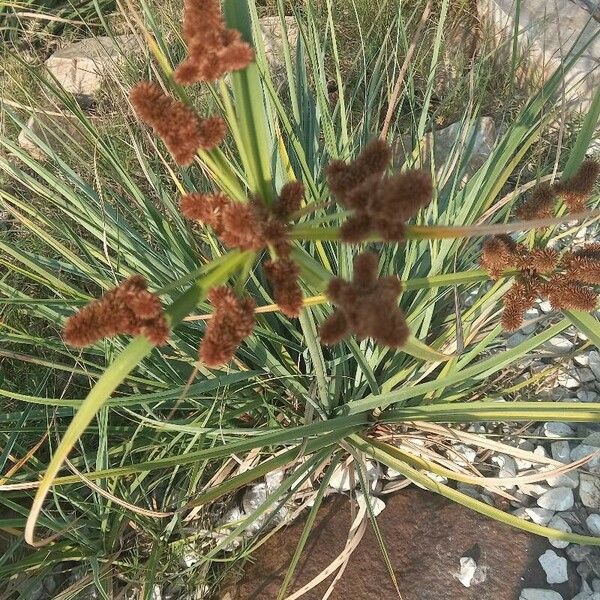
[
  {"x": 372, "y": 161},
  {"x": 177, "y": 124},
  {"x": 519, "y": 298},
  {"x": 577, "y": 190},
  {"x": 206, "y": 208},
  {"x": 564, "y": 294},
  {"x": 500, "y": 252},
  {"x": 127, "y": 309},
  {"x": 232, "y": 322},
  {"x": 283, "y": 274},
  {"x": 213, "y": 50},
  {"x": 366, "y": 306},
  {"x": 539, "y": 205}
]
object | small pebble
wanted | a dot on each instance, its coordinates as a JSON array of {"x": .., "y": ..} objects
[
  {"x": 557, "y": 522},
  {"x": 578, "y": 553},
  {"x": 540, "y": 516},
  {"x": 554, "y": 566},
  {"x": 560, "y": 498},
  {"x": 587, "y": 396},
  {"x": 570, "y": 480},
  {"x": 593, "y": 524},
  {"x": 468, "y": 566},
  {"x": 594, "y": 362},
  {"x": 567, "y": 380},
  {"x": 537, "y": 594},
  {"x": 556, "y": 429},
  {"x": 560, "y": 451},
  {"x": 585, "y": 375},
  {"x": 377, "y": 504}
]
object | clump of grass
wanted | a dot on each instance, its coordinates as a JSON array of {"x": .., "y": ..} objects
[{"x": 153, "y": 436}]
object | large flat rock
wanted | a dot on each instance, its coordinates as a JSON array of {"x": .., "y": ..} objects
[
  {"x": 548, "y": 30},
  {"x": 80, "y": 68},
  {"x": 425, "y": 535}
]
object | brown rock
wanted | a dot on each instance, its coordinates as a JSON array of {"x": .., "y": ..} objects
[{"x": 425, "y": 536}]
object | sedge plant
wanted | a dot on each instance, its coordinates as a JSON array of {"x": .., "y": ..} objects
[{"x": 311, "y": 296}]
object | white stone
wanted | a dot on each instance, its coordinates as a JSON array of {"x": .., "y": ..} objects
[
  {"x": 463, "y": 455},
  {"x": 583, "y": 360},
  {"x": 507, "y": 465},
  {"x": 537, "y": 594},
  {"x": 540, "y": 516},
  {"x": 273, "y": 33},
  {"x": 567, "y": 380},
  {"x": 156, "y": 593},
  {"x": 587, "y": 396},
  {"x": 560, "y": 498},
  {"x": 558, "y": 345},
  {"x": 232, "y": 515},
  {"x": 545, "y": 306},
  {"x": 554, "y": 566},
  {"x": 594, "y": 363},
  {"x": 547, "y": 32},
  {"x": 468, "y": 566},
  {"x": 569, "y": 480},
  {"x": 560, "y": 451},
  {"x": 557, "y": 430},
  {"x": 593, "y": 524},
  {"x": 557, "y": 522},
  {"x": 254, "y": 497},
  {"x": 589, "y": 490},
  {"x": 535, "y": 490},
  {"x": 377, "y": 504},
  {"x": 585, "y": 375},
  {"x": 583, "y": 450},
  {"x": 274, "y": 480},
  {"x": 81, "y": 68},
  {"x": 344, "y": 476},
  {"x": 480, "y": 139}
]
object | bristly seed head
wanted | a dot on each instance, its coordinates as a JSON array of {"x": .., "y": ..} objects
[
  {"x": 577, "y": 190},
  {"x": 519, "y": 298},
  {"x": 539, "y": 205},
  {"x": 500, "y": 253},
  {"x": 380, "y": 204},
  {"x": 283, "y": 275},
  {"x": 366, "y": 306},
  {"x": 177, "y": 124},
  {"x": 232, "y": 322},
  {"x": 127, "y": 309},
  {"x": 213, "y": 50},
  {"x": 564, "y": 294}
]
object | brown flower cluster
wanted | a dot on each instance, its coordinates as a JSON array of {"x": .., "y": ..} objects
[
  {"x": 213, "y": 49},
  {"x": 575, "y": 192},
  {"x": 366, "y": 306},
  {"x": 542, "y": 272},
  {"x": 232, "y": 322},
  {"x": 253, "y": 226},
  {"x": 380, "y": 203},
  {"x": 127, "y": 309},
  {"x": 177, "y": 124}
]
